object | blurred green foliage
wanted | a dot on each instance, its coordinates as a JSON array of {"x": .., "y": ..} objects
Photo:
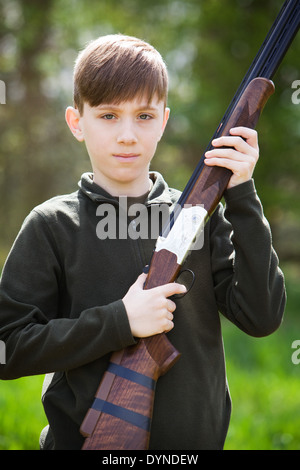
[{"x": 208, "y": 46}]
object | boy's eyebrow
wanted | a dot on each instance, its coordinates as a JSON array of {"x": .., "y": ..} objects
[{"x": 138, "y": 108}]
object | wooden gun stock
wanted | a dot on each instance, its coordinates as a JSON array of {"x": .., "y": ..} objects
[{"x": 120, "y": 417}]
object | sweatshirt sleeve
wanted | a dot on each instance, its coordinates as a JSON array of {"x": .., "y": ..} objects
[
  {"x": 249, "y": 284},
  {"x": 37, "y": 339}
]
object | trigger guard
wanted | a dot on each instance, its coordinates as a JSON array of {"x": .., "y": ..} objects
[{"x": 179, "y": 296}]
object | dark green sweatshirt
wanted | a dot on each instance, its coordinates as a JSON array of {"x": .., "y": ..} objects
[{"x": 61, "y": 311}]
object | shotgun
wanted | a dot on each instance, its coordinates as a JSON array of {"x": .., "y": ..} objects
[{"x": 120, "y": 416}]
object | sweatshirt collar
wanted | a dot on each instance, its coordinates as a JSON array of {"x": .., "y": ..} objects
[{"x": 158, "y": 194}]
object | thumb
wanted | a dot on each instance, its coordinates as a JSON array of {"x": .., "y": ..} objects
[{"x": 141, "y": 280}]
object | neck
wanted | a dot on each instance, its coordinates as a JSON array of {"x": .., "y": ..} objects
[{"x": 118, "y": 189}]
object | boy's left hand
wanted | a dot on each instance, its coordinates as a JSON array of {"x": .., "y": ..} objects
[{"x": 240, "y": 157}]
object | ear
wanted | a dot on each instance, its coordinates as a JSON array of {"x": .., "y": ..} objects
[
  {"x": 73, "y": 120},
  {"x": 165, "y": 120}
]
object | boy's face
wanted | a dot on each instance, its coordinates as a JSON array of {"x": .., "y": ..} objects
[{"x": 121, "y": 140}]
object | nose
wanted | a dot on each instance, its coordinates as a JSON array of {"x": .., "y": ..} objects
[{"x": 127, "y": 134}]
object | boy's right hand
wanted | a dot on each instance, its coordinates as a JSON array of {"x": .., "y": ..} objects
[{"x": 150, "y": 311}]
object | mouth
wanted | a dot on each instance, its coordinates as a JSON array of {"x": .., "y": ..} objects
[{"x": 126, "y": 157}]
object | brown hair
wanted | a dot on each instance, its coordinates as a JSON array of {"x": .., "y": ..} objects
[{"x": 117, "y": 68}]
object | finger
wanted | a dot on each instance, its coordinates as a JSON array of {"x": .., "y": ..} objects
[
  {"x": 250, "y": 135},
  {"x": 171, "y": 289},
  {"x": 171, "y": 306},
  {"x": 245, "y": 134},
  {"x": 235, "y": 142},
  {"x": 141, "y": 279},
  {"x": 168, "y": 315},
  {"x": 243, "y": 131},
  {"x": 229, "y": 153},
  {"x": 175, "y": 288},
  {"x": 237, "y": 167},
  {"x": 169, "y": 326},
  {"x": 232, "y": 143}
]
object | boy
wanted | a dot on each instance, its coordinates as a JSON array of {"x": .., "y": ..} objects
[{"x": 69, "y": 297}]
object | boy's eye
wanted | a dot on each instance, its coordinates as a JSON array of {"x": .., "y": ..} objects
[
  {"x": 108, "y": 116},
  {"x": 145, "y": 117}
]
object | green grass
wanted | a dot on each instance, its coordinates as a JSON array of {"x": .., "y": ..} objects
[
  {"x": 21, "y": 413},
  {"x": 265, "y": 386},
  {"x": 263, "y": 381}
]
